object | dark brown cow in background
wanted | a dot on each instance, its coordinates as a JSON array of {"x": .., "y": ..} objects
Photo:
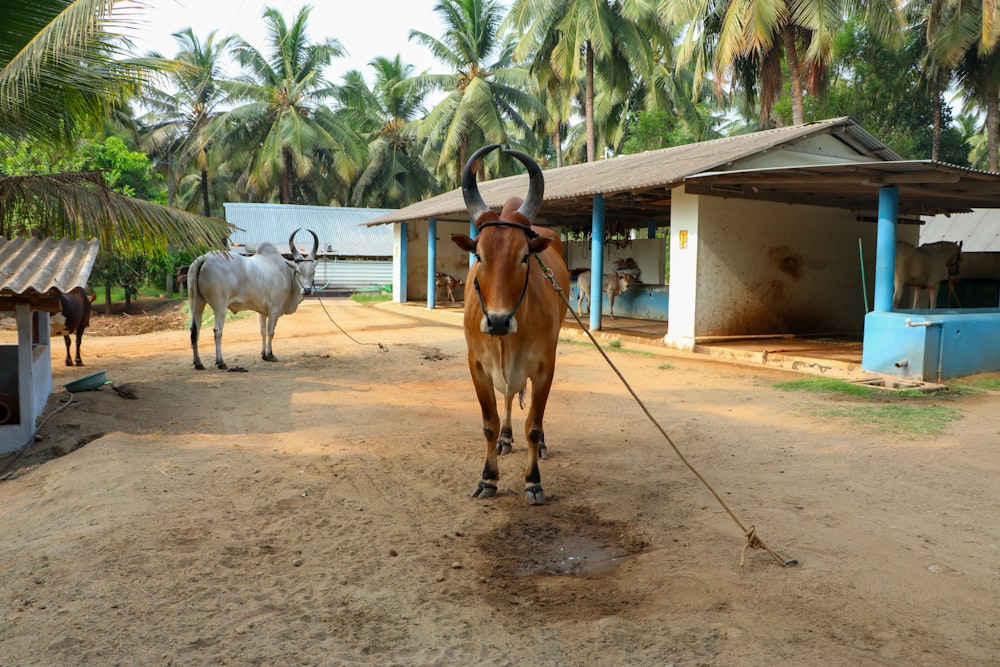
[
  {"x": 71, "y": 320},
  {"x": 512, "y": 316}
]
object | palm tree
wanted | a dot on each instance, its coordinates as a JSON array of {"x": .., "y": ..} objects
[
  {"x": 746, "y": 40},
  {"x": 963, "y": 36},
  {"x": 386, "y": 115},
  {"x": 178, "y": 129},
  {"x": 571, "y": 38},
  {"x": 486, "y": 100},
  {"x": 282, "y": 138},
  {"x": 59, "y": 78}
]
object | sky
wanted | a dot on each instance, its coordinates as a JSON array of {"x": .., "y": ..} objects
[{"x": 366, "y": 28}]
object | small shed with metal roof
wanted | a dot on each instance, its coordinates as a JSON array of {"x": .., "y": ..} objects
[
  {"x": 777, "y": 233},
  {"x": 33, "y": 272},
  {"x": 352, "y": 257}
]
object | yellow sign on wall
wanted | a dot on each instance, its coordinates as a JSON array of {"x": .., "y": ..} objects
[{"x": 682, "y": 238}]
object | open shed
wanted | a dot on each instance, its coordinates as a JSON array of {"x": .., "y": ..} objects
[
  {"x": 775, "y": 233},
  {"x": 33, "y": 272},
  {"x": 352, "y": 257}
]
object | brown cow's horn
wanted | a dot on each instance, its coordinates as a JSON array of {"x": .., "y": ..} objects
[
  {"x": 536, "y": 188},
  {"x": 470, "y": 190}
]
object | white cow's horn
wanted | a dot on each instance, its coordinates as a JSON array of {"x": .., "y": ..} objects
[{"x": 295, "y": 253}]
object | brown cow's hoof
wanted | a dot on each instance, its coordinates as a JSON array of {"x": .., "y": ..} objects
[
  {"x": 485, "y": 490},
  {"x": 534, "y": 494},
  {"x": 269, "y": 357},
  {"x": 543, "y": 451},
  {"x": 79, "y": 363},
  {"x": 198, "y": 366},
  {"x": 504, "y": 446}
]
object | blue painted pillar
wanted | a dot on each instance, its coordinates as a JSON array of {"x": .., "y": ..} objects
[
  {"x": 596, "y": 262},
  {"x": 885, "y": 247},
  {"x": 404, "y": 240},
  {"x": 431, "y": 263},
  {"x": 651, "y": 229},
  {"x": 473, "y": 231}
]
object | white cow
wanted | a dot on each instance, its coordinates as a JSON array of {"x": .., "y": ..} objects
[
  {"x": 924, "y": 268},
  {"x": 614, "y": 283},
  {"x": 266, "y": 283}
]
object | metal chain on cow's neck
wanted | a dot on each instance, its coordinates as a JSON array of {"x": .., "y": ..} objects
[{"x": 750, "y": 533}]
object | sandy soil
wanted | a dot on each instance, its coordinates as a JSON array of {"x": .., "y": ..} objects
[{"x": 316, "y": 511}]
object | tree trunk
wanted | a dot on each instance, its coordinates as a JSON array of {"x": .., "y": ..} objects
[
  {"x": 794, "y": 75},
  {"x": 992, "y": 125},
  {"x": 936, "y": 133},
  {"x": 285, "y": 195},
  {"x": 589, "y": 104},
  {"x": 204, "y": 192},
  {"x": 107, "y": 298},
  {"x": 557, "y": 143}
]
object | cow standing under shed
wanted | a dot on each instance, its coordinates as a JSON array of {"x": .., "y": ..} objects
[
  {"x": 924, "y": 268},
  {"x": 613, "y": 284},
  {"x": 266, "y": 283},
  {"x": 71, "y": 320},
  {"x": 512, "y": 316}
]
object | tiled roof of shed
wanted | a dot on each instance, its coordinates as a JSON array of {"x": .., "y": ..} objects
[
  {"x": 653, "y": 172},
  {"x": 33, "y": 266}
]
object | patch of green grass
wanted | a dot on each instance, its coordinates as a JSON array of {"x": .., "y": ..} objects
[
  {"x": 899, "y": 418},
  {"x": 666, "y": 367},
  {"x": 118, "y": 294},
  {"x": 827, "y": 385},
  {"x": 978, "y": 383},
  {"x": 370, "y": 297},
  {"x": 615, "y": 345},
  {"x": 208, "y": 317}
]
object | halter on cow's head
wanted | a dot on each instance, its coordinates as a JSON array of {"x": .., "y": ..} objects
[
  {"x": 305, "y": 267},
  {"x": 503, "y": 245}
]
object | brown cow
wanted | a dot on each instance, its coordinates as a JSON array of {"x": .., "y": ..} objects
[
  {"x": 448, "y": 283},
  {"x": 71, "y": 320},
  {"x": 512, "y": 316}
]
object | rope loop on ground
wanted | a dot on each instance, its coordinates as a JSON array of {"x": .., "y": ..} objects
[{"x": 753, "y": 541}]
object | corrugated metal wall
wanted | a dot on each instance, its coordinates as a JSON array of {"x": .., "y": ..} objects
[{"x": 352, "y": 275}]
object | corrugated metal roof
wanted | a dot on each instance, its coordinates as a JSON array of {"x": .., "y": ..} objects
[
  {"x": 34, "y": 266},
  {"x": 633, "y": 174},
  {"x": 340, "y": 230},
  {"x": 925, "y": 187},
  {"x": 979, "y": 231}
]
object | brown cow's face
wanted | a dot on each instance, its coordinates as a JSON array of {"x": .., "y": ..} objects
[{"x": 501, "y": 270}]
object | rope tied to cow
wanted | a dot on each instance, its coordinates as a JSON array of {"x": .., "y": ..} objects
[
  {"x": 381, "y": 347},
  {"x": 753, "y": 541}
]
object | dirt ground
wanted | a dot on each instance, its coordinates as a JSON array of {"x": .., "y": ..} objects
[{"x": 316, "y": 511}]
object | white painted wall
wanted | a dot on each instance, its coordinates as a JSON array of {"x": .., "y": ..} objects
[
  {"x": 450, "y": 258},
  {"x": 762, "y": 268},
  {"x": 683, "y": 269}
]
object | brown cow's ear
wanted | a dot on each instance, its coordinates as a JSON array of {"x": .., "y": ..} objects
[
  {"x": 539, "y": 244},
  {"x": 464, "y": 242}
]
